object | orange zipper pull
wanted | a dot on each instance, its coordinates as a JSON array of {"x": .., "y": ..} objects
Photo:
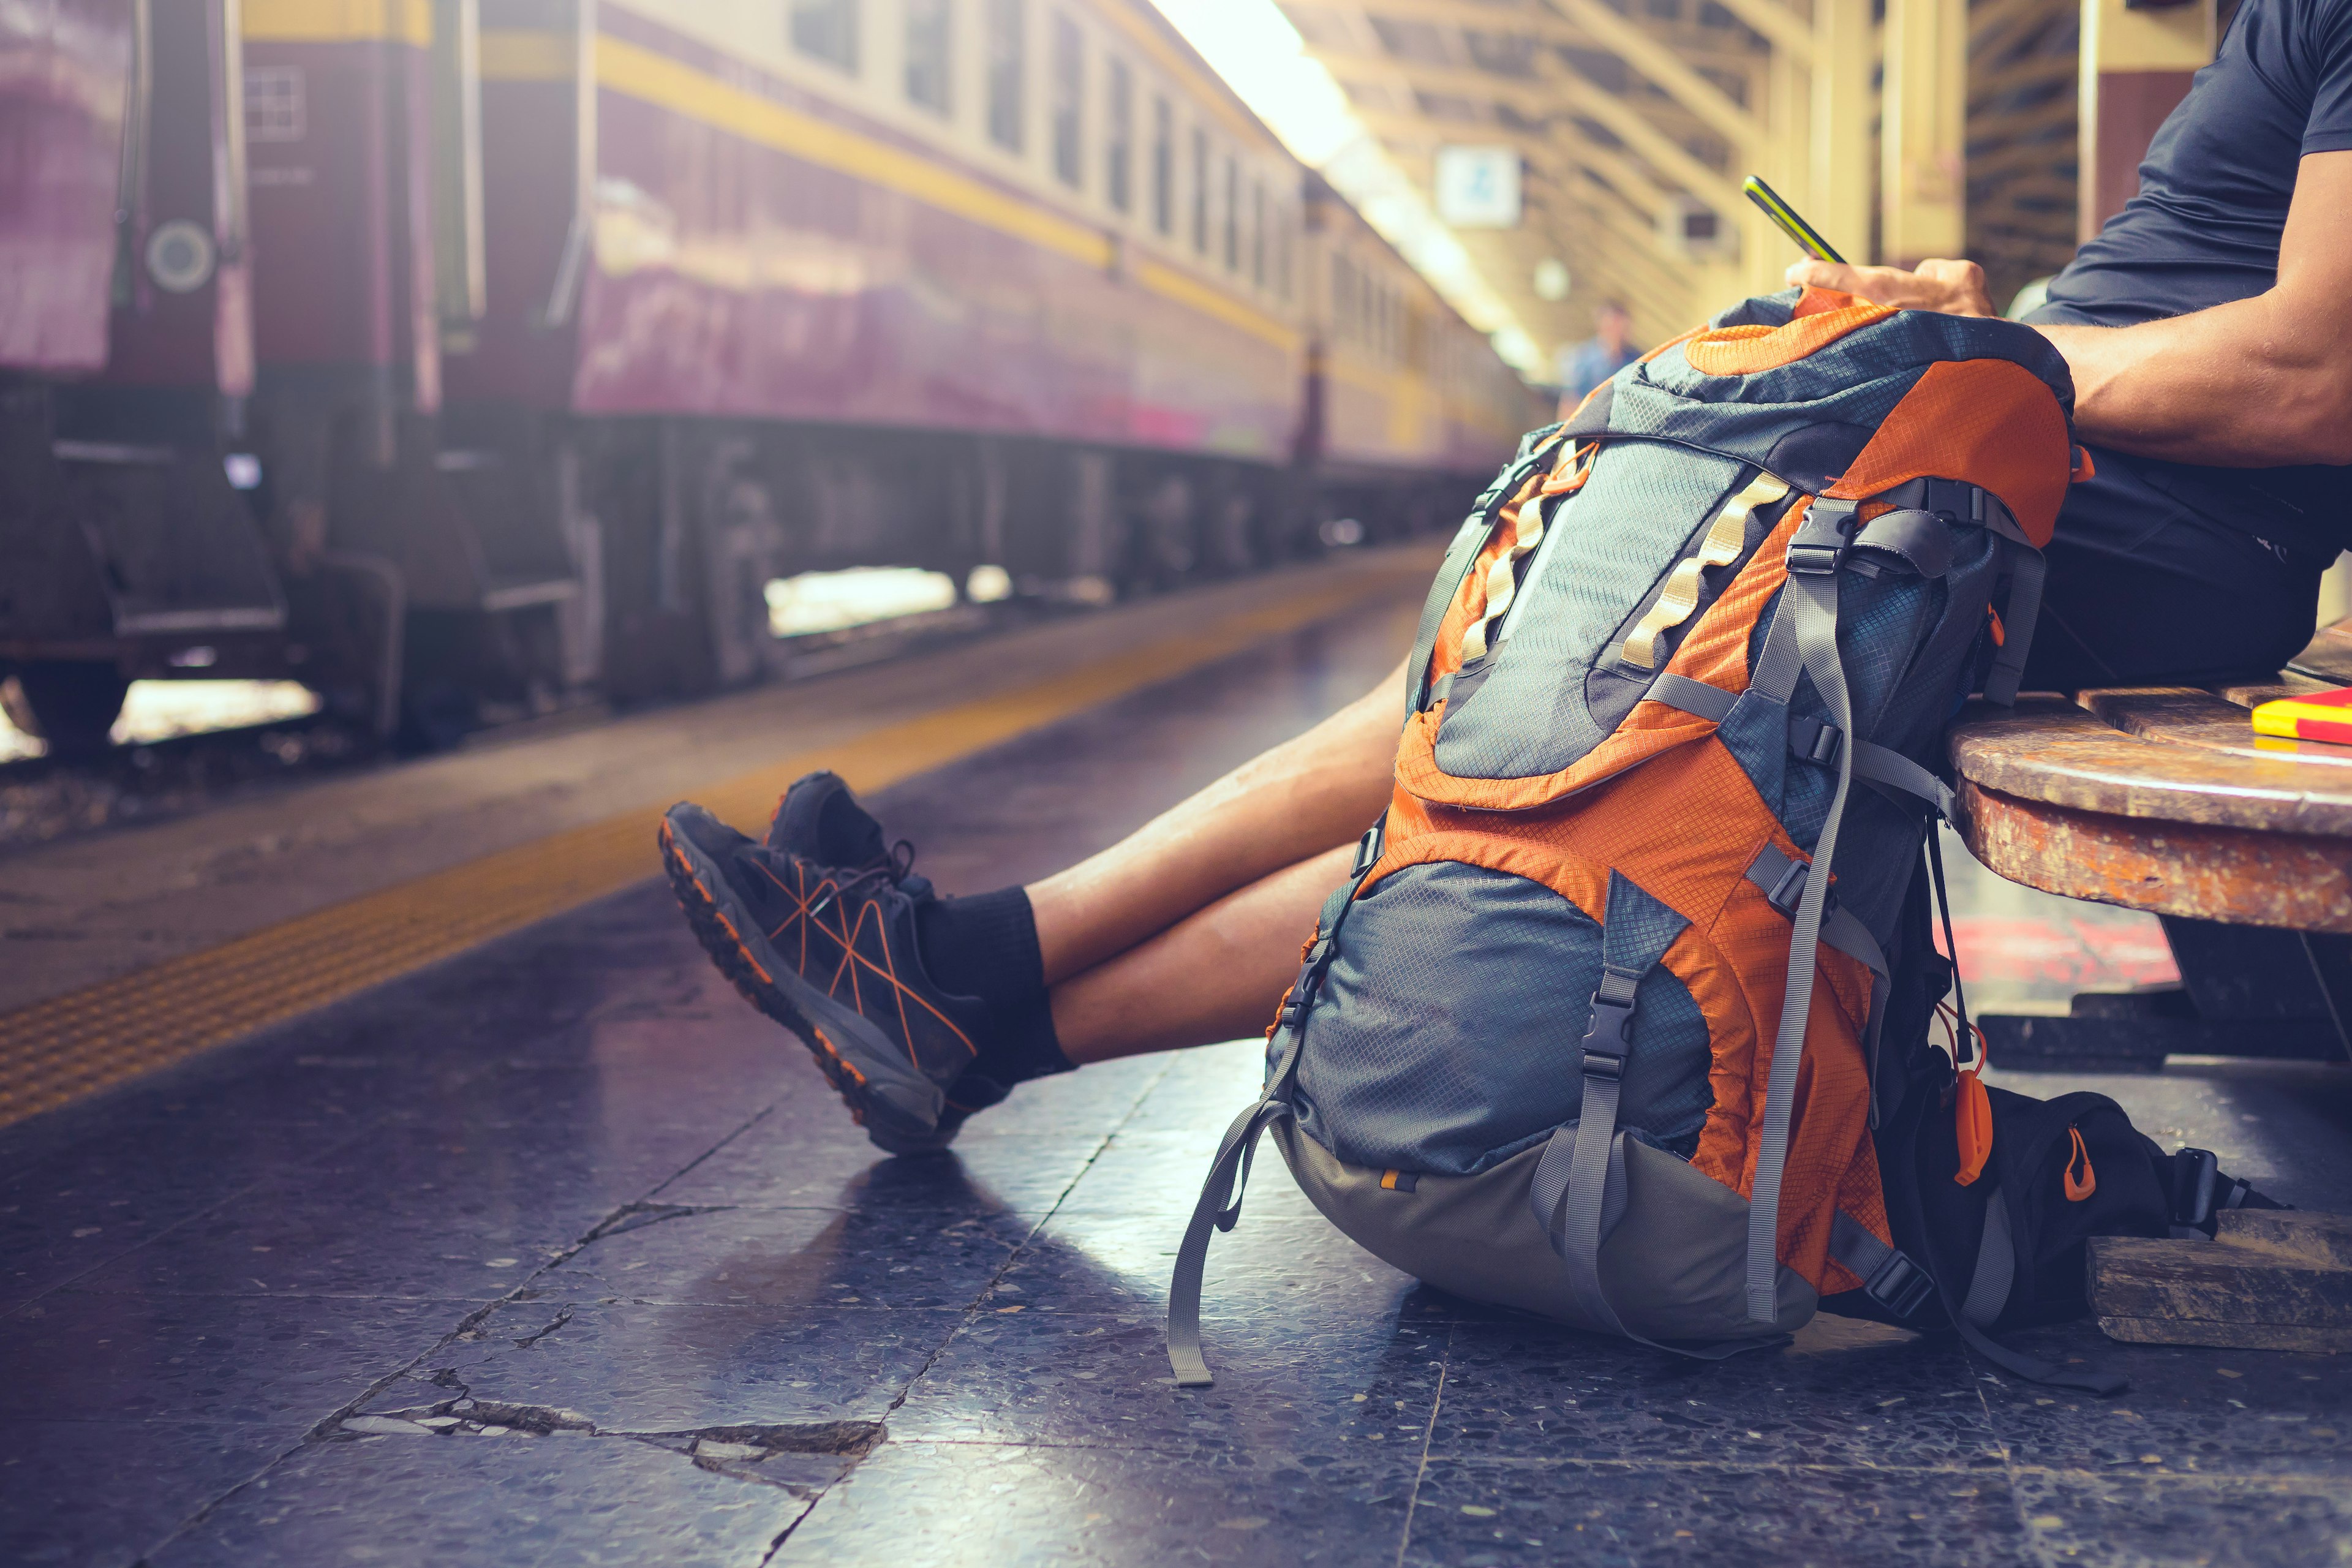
[
  {"x": 1972, "y": 1125},
  {"x": 2083, "y": 1186}
]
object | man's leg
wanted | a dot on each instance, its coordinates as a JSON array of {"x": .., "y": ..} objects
[
  {"x": 905, "y": 997},
  {"x": 1213, "y": 975},
  {"x": 1284, "y": 806},
  {"x": 2143, "y": 590}
]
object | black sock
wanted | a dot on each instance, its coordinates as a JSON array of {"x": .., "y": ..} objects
[{"x": 986, "y": 946}]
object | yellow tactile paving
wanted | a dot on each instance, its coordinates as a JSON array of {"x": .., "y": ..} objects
[{"x": 57, "y": 1050}]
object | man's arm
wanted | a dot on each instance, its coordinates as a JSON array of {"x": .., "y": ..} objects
[{"x": 2257, "y": 382}]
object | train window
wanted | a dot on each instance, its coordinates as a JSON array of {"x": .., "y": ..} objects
[
  {"x": 1199, "y": 190},
  {"x": 1069, "y": 102},
  {"x": 273, "y": 103},
  {"x": 1007, "y": 46},
  {"x": 826, "y": 30},
  {"x": 1163, "y": 165},
  {"x": 930, "y": 33},
  {"x": 1233, "y": 214},
  {"x": 1120, "y": 151},
  {"x": 1343, "y": 297},
  {"x": 1257, "y": 232}
]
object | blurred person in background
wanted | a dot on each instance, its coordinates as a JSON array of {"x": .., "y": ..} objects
[{"x": 1608, "y": 350}]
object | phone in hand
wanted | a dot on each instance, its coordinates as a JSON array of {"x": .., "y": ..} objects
[{"x": 1782, "y": 213}]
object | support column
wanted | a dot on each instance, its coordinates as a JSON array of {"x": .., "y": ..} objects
[
  {"x": 2136, "y": 67},
  {"x": 1843, "y": 171},
  {"x": 1923, "y": 131},
  {"x": 1786, "y": 162}
]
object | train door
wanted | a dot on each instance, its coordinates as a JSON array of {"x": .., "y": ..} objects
[
  {"x": 129, "y": 549},
  {"x": 425, "y": 555}
]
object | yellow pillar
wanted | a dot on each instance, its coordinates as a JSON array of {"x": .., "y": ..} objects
[
  {"x": 1923, "y": 131},
  {"x": 1786, "y": 162},
  {"x": 1844, "y": 172},
  {"x": 2135, "y": 66}
]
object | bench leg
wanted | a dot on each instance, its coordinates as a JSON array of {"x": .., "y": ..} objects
[{"x": 2245, "y": 991}]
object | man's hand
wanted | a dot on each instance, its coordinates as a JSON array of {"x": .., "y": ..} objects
[{"x": 1954, "y": 288}]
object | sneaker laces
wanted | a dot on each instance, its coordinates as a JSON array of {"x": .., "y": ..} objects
[{"x": 897, "y": 863}]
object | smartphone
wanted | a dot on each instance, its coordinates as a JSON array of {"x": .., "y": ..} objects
[{"x": 1795, "y": 227}]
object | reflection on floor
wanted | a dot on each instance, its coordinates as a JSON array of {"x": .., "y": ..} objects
[{"x": 557, "y": 1254}]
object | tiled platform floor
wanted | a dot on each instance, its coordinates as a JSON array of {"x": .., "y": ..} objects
[{"x": 557, "y": 1254}]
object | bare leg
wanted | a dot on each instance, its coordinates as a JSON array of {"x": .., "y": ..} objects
[
  {"x": 1282, "y": 807},
  {"x": 1214, "y": 975}
]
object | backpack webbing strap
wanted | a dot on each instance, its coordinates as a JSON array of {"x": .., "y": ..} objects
[
  {"x": 2032, "y": 1369},
  {"x": 1996, "y": 1270},
  {"x": 1468, "y": 539},
  {"x": 1964, "y": 1038},
  {"x": 2026, "y": 571},
  {"x": 1810, "y": 600},
  {"x": 1695, "y": 698},
  {"x": 1888, "y": 1276},
  {"x": 1635, "y": 931},
  {"x": 1783, "y": 882},
  {"x": 1891, "y": 770},
  {"x": 1229, "y": 1171}
]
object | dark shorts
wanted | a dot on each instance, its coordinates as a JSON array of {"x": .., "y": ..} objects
[{"x": 2146, "y": 591}]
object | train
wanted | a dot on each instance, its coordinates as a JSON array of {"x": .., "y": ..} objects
[{"x": 456, "y": 357}]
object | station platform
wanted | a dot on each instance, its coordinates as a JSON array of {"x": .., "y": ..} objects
[{"x": 389, "y": 1179}]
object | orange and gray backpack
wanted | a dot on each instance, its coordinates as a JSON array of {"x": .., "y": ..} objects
[{"x": 1594, "y": 1030}]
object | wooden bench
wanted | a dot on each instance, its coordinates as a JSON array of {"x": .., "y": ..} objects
[{"x": 2165, "y": 799}]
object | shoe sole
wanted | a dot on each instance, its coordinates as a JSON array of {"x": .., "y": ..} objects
[{"x": 897, "y": 1104}]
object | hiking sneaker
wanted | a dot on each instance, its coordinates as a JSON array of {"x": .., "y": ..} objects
[
  {"x": 829, "y": 953},
  {"x": 820, "y": 820}
]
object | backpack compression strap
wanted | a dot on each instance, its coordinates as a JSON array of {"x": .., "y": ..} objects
[
  {"x": 1807, "y": 617},
  {"x": 1578, "y": 1190},
  {"x": 1229, "y": 1171},
  {"x": 1635, "y": 931}
]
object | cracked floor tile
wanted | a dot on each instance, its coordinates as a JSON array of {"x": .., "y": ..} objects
[
  {"x": 516, "y": 1499},
  {"x": 638, "y": 1367}
]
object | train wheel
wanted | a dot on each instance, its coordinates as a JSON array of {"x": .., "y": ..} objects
[{"x": 72, "y": 706}]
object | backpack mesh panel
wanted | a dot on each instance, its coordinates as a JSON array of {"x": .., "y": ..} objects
[
  {"x": 1633, "y": 520},
  {"x": 1446, "y": 1037}
]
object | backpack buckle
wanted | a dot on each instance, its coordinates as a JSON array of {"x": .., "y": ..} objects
[
  {"x": 1899, "y": 1285},
  {"x": 1790, "y": 891},
  {"x": 1823, "y": 539},
  {"x": 2196, "y": 1176},
  {"x": 1368, "y": 851},
  {"x": 1608, "y": 1039},
  {"x": 1812, "y": 741}
]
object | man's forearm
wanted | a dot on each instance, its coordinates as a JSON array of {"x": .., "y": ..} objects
[{"x": 2236, "y": 385}]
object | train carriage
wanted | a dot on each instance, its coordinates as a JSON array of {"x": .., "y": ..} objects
[
  {"x": 1404, "y": 398},
  {"x": 575, "y": 324},
  {"x": 126, "y": 348}
]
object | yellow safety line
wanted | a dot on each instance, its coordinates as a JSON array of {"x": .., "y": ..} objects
[{"x": 56, "y": 1051}]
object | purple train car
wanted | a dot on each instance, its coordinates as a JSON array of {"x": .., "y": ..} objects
[
  {"x": 126, "y": 351},
  {"x": 547, "y": 334}
]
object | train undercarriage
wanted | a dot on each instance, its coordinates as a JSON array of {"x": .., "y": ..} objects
[{"x": 497, "y": 563}]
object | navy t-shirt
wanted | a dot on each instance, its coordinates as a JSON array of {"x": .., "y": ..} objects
[{"x": 2204, "y": 228}]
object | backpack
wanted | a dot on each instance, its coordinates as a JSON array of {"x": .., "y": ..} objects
[{"x": 1599, "y": 1026}]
